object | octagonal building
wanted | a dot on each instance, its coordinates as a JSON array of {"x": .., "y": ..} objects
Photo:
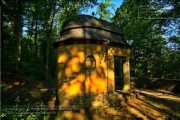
[{"x": 92, "y": 58}]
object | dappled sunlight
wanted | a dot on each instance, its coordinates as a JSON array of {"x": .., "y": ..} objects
[
  {"x": 143, "y": 107},
  {"x": 81, "y": 56},
  {"x": 119, "y": 51},
  {"x": 74, "y": 64},
  {"x": 101, "y": 71},
  {"x": 149, "y": 104},
  {"x": 88, "y": 82},
  {"x": 136, "y": 112},
  {"x": 81, "y": 77},
  {"x": 111, "y": 80},
  {"x": 168, "y": 96},
  {"x": 16, "y": 83},
  {"x": 126, "y": 87},
  {"x": 7, "y": 87},
  {"x": 99, "y": 48},
  {"x": 97, "y": 84},
  {"x": 62, "y": 58},
  {"x": 111, "y": 76},
  {"x": 125, "y": 69},
  {"x": 103, "y": 64},
  {"x": 72, "y": 87},
  {"x": 144, "y": 110},
  {"x": 74, "y": 50},
  {"x": 156, "y": 105},
  {"x": 68, "y": 71}
]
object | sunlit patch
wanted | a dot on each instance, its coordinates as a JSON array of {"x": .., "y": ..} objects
[
  {"x": 74, "y": 51},
  {"x": 136, "y": 112},
  {"x": 62, "y": 58},
  {"x": 103, "y": 63},
  {"x": 73, "y": 87},
  {"x": 81, "y": 77},
  {"x": 7, "y": 87},
  {"x": 16, "y": 82},
  {"x": 111, "y": 75},
  {"x": 97, "y": 84},
  {"x": 67, "y": 114},
  {"x": 99, "y": 48},
  {"x": 74, "y": 63},
  {"x": 101, "y": 71},
  {"x": 81, "y": 56},
  {"x": 43, "y": 89},
  {"x": 71, "y": 70},
  {"x": 126, "y": 87},
  {"x": 68, "y": 71}
]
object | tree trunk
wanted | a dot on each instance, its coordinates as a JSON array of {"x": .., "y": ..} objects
[
  {"x": 35, "y": 40},
  {"x": 47, "y": 57},
  {"x": 49, "y": 23},
  {"x": 18, "y": 33}
]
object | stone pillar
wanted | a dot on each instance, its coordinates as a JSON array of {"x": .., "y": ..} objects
[{"x": 126, "y": 75}]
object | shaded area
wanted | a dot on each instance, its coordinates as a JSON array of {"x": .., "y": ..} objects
[
  {"x": 25, "y": 92},
  {"x": 172, "y": 85},
  {"x": 140, "y": 104}
]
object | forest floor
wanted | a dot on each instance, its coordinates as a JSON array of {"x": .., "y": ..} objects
[{"x": 22, "y": 92}]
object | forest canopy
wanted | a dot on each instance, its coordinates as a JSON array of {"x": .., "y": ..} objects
[{"x": 30, "y": 27}]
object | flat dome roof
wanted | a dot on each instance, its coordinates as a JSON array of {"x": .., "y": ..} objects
[
  {"x": 85, "y": 29},
  {"x": 90, "y": 21}
]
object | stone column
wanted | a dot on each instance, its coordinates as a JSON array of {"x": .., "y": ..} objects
[{"x": 126, "y": 75}]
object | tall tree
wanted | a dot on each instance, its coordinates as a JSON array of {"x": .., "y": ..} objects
[
  {"x": 103, "y": 10},
  {"x": 18, "y": 31},
  {"x": 29, "y": 29},
  {"x": 142, "y": 22}
]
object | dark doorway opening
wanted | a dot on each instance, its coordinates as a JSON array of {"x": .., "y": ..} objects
[{"x": 118, "y": 70}]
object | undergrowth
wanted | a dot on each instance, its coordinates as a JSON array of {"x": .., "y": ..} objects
[{"x": 35, "y": 111}]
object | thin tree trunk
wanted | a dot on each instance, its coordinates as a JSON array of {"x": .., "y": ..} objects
[
  {"x": 35, "y": 40},
  {"x": 35, "y": 37},
  {"x": 18, "y": 34},
  {"x": 47, "y": 56},
  {"x": 48, "y": 32}
]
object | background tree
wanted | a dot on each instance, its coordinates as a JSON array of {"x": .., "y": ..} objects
[
  {"x": 29, "y": 29},
  {"x": 144, "y": 23}
]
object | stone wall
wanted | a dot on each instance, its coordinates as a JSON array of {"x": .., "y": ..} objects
[{"x": 172, "y": 85}]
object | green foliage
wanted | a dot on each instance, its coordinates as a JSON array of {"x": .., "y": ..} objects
[
  {"x": 40, "y": 27},
  {"x": 151, "y": 54},
  {"x": 18, "y": 112},
  {"x": 103, "y": 10}
]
